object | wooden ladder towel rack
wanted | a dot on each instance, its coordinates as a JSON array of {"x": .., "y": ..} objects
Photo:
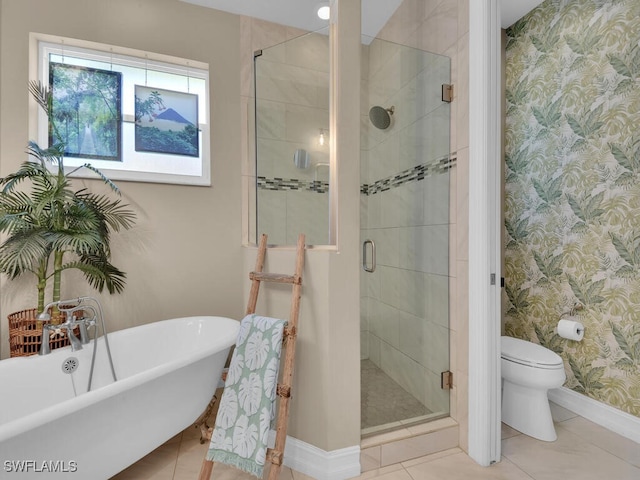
[{"x": 275, "y": 455}]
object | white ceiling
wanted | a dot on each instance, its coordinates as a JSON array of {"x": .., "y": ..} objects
[
  {"x": 513, "y": 10},
  {"x": 375, "y": 13},
  {"x": 303, "y": 13}
]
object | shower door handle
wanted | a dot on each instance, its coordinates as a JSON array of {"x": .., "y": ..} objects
[{"x": 365, "y": 264}]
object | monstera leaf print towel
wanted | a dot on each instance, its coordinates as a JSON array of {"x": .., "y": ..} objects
[{"x": 246, "y": 409}]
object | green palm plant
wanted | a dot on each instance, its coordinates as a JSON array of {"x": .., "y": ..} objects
[{"x": 51, "y": 227}]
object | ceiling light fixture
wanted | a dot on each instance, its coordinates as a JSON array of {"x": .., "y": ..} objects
[{"x": 324, "y": 12}]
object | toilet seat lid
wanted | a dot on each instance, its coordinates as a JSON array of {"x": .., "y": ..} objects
[{"x": 528, "y": 353}]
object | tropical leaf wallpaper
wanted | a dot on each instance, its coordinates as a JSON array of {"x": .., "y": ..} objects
[{"x": 572, "y": 193}]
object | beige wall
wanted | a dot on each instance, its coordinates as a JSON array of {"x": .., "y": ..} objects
[
  {"x": 184, "y": 255},
  {"x": 460, "y": 320},
  {"x": 325, "y": 409}
]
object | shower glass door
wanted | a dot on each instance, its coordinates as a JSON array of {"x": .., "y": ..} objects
[{"x": 405, "y": 162}]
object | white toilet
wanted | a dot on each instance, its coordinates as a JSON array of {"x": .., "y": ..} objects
[{"x": 529, "y": 370}]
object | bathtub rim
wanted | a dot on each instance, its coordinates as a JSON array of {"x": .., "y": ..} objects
[{"x": 51, "y": 413}]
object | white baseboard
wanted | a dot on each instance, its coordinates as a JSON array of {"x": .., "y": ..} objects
[
  {"x": 610, "y": 418},
  {"x": 320, "y": 464}
]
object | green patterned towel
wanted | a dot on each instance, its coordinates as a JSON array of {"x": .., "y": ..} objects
[{"x": 248, "y": 402}]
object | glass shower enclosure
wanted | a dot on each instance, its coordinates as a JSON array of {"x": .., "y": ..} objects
[
  {"x": 292, "y": 140},
  {"x": 404, "y": 306},
  {"x": 404, "y": 203}
]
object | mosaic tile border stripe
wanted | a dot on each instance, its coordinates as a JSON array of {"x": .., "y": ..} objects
[
  {"x": 292, "y": 184},
  {"x": 414, "y": 174}
]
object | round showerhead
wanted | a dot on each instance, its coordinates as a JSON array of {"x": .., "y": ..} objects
[{"x": 381, "y": 117}]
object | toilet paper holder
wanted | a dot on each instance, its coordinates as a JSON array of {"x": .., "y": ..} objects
[{"x": 570, "y": 327}]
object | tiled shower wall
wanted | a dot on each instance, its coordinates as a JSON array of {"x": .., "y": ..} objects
[
  {"x": 442, "y": 27},
  {"x": 292, "y": 88},
  {"x": 405, "y": 211}
]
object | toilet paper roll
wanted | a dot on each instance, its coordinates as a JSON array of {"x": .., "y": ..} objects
[{"x": 570, "y": 329}]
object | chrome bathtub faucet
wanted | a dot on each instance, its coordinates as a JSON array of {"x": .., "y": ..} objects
[
  {"x": 76, "y": 344},
  {"x": 83, "y": 323},
  {"x": 69, "y": 325},
  {"x": 45, "y": 349}
]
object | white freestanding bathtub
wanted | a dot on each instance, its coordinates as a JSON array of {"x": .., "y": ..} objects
[{"x": 167, "y": 373}]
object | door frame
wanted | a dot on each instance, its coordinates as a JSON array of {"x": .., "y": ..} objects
[{"x": 485, "y": 226}]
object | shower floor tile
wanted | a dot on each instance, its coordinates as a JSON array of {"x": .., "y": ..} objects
[{"x": 383, "y": 401}]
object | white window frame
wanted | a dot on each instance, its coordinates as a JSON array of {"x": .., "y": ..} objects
[{"x": 135, "y": 165}]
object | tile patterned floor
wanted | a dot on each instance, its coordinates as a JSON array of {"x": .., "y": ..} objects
[
  {"x": 583, "y": 451},
  {"x": 383, "y": 400}
]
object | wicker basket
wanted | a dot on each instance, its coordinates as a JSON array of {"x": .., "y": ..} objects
[{"x": 25, "y": 334}]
